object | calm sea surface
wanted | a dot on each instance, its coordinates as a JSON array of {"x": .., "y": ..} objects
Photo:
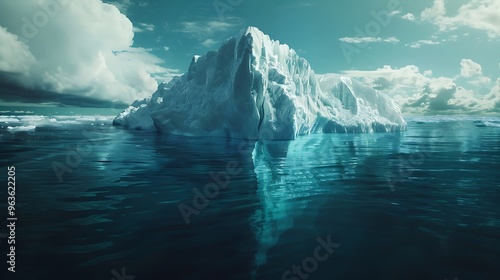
[{"x": 98, "y": 202}]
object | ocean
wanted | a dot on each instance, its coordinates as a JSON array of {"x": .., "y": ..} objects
[{"x": 93, "y": 201}]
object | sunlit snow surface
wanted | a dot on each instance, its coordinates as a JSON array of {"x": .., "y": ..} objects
[{"x": 256, "y": 88}]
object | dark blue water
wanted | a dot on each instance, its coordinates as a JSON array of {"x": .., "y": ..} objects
[{"x": 422, "y": 204}]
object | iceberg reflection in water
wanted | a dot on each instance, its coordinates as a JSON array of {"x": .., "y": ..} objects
[{"x": 293, "y": 175}]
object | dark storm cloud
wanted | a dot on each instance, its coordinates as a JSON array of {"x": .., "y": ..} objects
[{"x": 13, "y": 93}]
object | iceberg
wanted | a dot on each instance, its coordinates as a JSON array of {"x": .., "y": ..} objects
[{"x": 256, "y": 88}]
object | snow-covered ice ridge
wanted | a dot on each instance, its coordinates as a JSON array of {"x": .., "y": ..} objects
[{"x": 256, "y": 88}]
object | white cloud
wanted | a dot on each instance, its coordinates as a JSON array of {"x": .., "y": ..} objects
[
  {"x": 122, "y": 5},
  {"x": 482, "y": 15},
  {"x": 453, "y": 38},
  {"x": 84, "y": 48},
  {"x": 439, "y": 92},
  {"x": 394, "y": 80},
  {"x": 473, "y": 72},
  {"x": 443, "y": 95},
  {"x": 470, "y": 68},
  {"x": 418, "y": 44},
  {"x": 494, "y": 97},
  {"x": 297, "y": 5},
  {"x": 144, "y": 27},
  {"x": 208, "y": 42},
  {"x": 420, "y": 92},
  {"x": 438, "y": 10},
  {"x": 362, "y": 40},
  {"x": 166, "y": 48},
  {"x": 204, "y": 29},
  {"x": 16, "y": 57},
  {"x": 409, "y": 16},
  {"x": 467, "y": 100},
  {"x": 480, "y": 81}
]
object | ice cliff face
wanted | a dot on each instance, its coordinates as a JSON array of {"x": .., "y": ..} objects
[{"x": 256, "y": 88}]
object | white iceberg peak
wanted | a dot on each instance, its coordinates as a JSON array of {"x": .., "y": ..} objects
[{"x": 256, "y": 88}]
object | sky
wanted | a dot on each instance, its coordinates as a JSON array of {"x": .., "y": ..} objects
[{"x": 431, "y": 56}]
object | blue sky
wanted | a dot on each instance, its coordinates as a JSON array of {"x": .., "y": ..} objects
[
  {"x": 432, "y": 56},
  {"x": 314, "y": 28}
]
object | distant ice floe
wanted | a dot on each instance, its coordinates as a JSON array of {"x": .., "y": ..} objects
[
  {"x": 479, "y": 121},
  {"x": 5, "y": 112},
  {"x": 28, "y": 123},
  {"x": 9, "y": 119},
  {"x": 21, "y": 128},
  {"x": 488, "y": 123}
]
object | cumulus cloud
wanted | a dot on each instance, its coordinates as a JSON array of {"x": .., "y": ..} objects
[
  {"x": 409, "y": 17},
  {"x": 443, "y": 95},
  {"x": 16, "y": 55},
  {"x": 122, "y": 5},
  {"x": 470, "y": 68},
  {"x": 362, "y": 40},
  {"x": 206, "y": 31},
  {"x": 144, "y": 27},
  {"x": 473, "y": 72},
  {"x": 209, "y": 42},
  {"x": 391, "y": 79},
  {"x": 418, "y": 44},
  {"x": 482, "y": 15},
  {"x": 494, "y": 96},
  {"x": 439, "y": 91},
  {"x": 82, "y": 47},
  {"x": 419, "y": 91},
  {"x": 435, "y": 12}
]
